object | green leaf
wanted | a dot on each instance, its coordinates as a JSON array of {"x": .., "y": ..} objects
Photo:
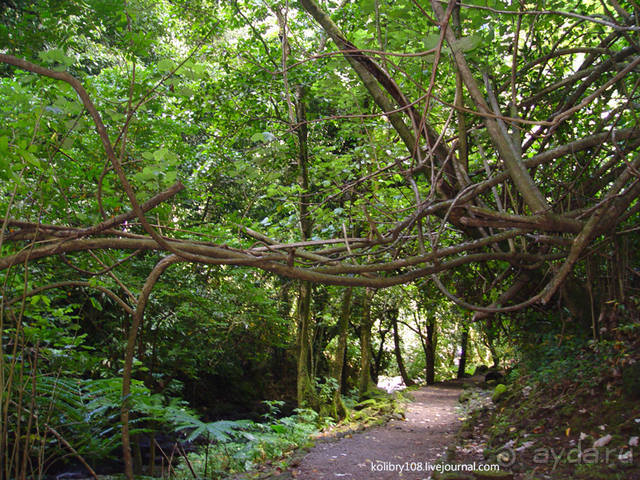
[
  {"x": 278, "y": 428},
  {"x": 431, "y": 41},
  {"x": 467, "y": 44},
  {"x": 165, "y": 65},
  {"x": 95, "y": 304},
  {"x": 30, "y": 159},
  {"x": 4, "y": 145},
  {"x": 263, "y": 137},
  {"x": 170, "y": 177},
  {"x": 186, "y": 92},
  {"x": 57, "y": 55}
]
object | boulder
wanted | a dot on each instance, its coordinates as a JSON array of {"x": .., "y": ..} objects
[
  {"x": 465, "y": 396},
  {"x": 498, "y": 393},
  {"x": 493, "y": 375}
]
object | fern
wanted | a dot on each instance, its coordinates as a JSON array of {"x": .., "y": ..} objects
[{"x": 221, "y": 431}]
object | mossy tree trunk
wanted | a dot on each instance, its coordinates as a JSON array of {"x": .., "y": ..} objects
[
  {"x": 397, "y": 348},
  {"x": 365, "y": 383},
  {"x": 305, "y": 389},
  {"x": 338, "y": 409}
]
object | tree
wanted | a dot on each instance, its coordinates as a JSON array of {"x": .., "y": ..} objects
[{"x": 393, "y": 314}]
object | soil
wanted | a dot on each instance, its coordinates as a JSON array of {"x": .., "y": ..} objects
[{"x": 400, "y": 449}]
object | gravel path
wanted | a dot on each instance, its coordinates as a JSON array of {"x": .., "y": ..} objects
[{"x": 401, "y": 449}]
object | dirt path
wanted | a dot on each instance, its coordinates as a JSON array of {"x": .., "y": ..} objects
[{"x": 380, "y": 453}]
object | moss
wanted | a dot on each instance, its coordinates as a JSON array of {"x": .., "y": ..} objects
[
  {"x": 499, "y": 392},
  {"x": 374, "y": 392}
]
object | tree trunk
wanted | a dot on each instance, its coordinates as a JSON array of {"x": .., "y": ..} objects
[
  {"x": 462, "y": 364},
  {"x": 305, "y": 390},
  {"x": 377, "y": 363},
  {"x": 365, "y": 382},
  {"x": 338, "y": 410},
  {"x": 398, "y": 352},
  {"x": 490, "y": 336},
  {"x": 127, "y": 368},
  {"x": 430, "y": 352}
]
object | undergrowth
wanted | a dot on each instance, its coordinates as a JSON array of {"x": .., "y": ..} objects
[
  {"x": 566, "y": 413},
  {"x": 238, "y": 446},
  {"x": 235, "y": 447}
]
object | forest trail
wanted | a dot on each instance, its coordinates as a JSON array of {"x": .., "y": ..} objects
[{"x": 378, "y": 453}]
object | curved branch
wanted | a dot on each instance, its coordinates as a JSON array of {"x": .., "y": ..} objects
[
  {"x": 153, "y": 277},
  {"x": 577, "y": 16},
  {"x": 478, "y": 308},
  {"x": 106, "y": 269},
  {"x": 518, "y": 173},
  {"x": 106, "y": 143}
]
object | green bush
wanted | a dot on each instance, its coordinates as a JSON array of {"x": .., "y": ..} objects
[{"x": 238, "y": 446}]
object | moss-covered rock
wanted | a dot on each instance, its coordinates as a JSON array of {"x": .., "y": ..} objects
[
  {"x": 374, "y": 392},
  {"x": 499, "y": 392},
  {"x": 465, "y": 396},
  {"x": 494, "y": 375}
]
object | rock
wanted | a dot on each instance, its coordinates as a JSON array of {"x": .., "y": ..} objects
[
  {"x": 481, "y": 370},
  {"x": 602, "y": 441},
  {"x": 465, "y": 396},
  {"x": 493, "y": 375},
  {"x": 499, "y": 392},
  {"x": 72, "y": 475}
]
